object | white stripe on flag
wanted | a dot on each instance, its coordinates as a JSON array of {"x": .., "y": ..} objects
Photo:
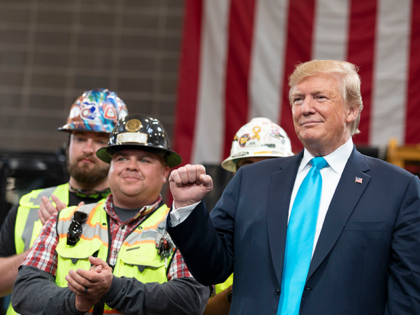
[
  {"x": 331, "y": 29},
  {"x": 209, "y": 130},
  {"x": 390, "y": 71},
  {"x": 267, "y": 59}
]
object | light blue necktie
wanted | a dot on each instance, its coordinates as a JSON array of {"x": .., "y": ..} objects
[{"x": 300, "y": 239}]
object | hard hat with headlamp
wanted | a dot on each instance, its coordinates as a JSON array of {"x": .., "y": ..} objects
[{"x": 139, "y": 132}]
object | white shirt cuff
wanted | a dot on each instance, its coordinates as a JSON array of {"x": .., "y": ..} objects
[{"x": 179, "y": 215}]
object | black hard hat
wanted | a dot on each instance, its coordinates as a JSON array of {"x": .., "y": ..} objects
[{"x": 142, "y": 132}]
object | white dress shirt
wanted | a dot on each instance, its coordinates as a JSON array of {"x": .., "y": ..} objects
[{"x": 331, "y": 175}]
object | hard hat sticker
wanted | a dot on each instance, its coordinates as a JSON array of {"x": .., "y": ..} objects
[
  {"x": 244, "y": 139},
  {"x": 241, "y": 153},
  {"x": 122, "y": 114},
  {"x": 75, "y": 112},
  {"x": 256, "y": 130},
  {"x": 263, "y": 152},
  {"x": 110, "y": 112},
  {"x": 132, "y": 137},
  {"x": 275, "y": 133},
  {"x": 89, "y": 110},
  {"x": 252, "y": 144},
  {"x": 133, "y": 125}
]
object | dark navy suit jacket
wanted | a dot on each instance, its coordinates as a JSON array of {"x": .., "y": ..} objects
[{"x": 366, "y": 261}]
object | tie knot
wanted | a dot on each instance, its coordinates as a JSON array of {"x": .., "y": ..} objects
[{"x": 319, "y": 162}]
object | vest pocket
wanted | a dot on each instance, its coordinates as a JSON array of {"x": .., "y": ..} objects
[
  {"x": 144, "y": 265},
  {"x": 77, "y": 252},
  {"x": 142, "y": 258},
  {"x": 73, "y": 258}
]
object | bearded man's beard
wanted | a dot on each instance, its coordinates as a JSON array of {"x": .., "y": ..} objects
[{"x": 86, "y": 175}]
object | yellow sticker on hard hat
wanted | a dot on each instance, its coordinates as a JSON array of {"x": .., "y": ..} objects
[
  {"x": 263, "y": 152},
  {"x": 132, "y": 137},
  {"x": 256, "y": 131},
  {"x": 244, "y": 139},
  {"x": 133, "y": 125}
]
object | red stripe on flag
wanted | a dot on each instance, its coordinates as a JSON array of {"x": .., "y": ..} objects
[
  {"x": 299, "y": 47},
  {"x": 241, "y": 25},
  {"x": 361, "y": 49},
  {"x": 188, "y": 80},
  {"x": 412, "y": 131}
]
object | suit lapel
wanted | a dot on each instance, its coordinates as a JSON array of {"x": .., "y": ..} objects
[
  {"x": 345, "y": 198},
  {"x": 281, "y": 187}
]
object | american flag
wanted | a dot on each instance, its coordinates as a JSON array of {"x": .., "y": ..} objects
[
  {"x": 236, "y": 57},
  {"x": 358, "y": 180}
]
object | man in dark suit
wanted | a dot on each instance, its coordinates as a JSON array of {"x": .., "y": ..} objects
[{"x": 328, "y": 231}]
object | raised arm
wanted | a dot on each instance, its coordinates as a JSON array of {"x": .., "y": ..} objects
[{"x": 206, "y": 241}]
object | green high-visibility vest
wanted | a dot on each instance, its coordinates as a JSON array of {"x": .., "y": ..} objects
[
  {"x": 28, "y": 225},
  {"x": 137, "y": 258},
  {"x": 223, "y": 286}
]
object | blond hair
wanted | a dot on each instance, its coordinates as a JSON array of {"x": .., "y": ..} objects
[{"x": 350, "y": 83}]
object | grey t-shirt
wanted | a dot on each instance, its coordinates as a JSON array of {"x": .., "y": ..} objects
[{"x": 125, "y": 214}]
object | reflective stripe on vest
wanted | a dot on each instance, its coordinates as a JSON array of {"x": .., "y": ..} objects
[
  {"x": 137, "y": 257},
  {"x": 28, "y": 225}
]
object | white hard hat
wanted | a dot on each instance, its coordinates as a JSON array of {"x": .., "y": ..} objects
[{"x": 258, "y": 138}]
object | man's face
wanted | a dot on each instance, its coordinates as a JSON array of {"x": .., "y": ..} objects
[
  {"x": 321, "y": 119},
  {"x": 82, "y": 163},
  {"x": 136, "y": 175}
]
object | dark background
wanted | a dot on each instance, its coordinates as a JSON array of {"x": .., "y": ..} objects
[{"x": 53, "y": 50}]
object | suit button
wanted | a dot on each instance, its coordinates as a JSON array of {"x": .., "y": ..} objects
[
  {"x": 278, "y": 291},
  {"x": 308, "y": 288}
]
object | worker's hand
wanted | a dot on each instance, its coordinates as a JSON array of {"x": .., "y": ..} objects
[
  {"x": 189, "y": 185},
  {"x": 93, "y": 283},
  {"x": 47, "y": 209}
]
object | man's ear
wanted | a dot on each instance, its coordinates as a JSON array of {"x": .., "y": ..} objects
[
  {"x": 166, "y": 170},
  {"x": 352, "y": 113}
]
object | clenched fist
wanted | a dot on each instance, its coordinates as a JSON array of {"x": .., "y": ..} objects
[{"x": 189, "y": 185}]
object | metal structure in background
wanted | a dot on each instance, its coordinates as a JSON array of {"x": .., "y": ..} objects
[{"x": 22, "y": 172}]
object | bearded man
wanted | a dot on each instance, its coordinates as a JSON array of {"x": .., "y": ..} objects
[{"x": 92, "y": 118}]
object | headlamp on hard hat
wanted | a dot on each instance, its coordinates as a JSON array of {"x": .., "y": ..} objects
[{"x": 139, "y": 132}]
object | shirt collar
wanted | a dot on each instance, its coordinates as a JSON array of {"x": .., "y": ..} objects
[
  {"x": 337, "y": 160},
  {"x": 109, "y": 208}
]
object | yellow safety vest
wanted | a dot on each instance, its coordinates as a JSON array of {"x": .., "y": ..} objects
[
  {"x": 137, "y": 258},
  {"x": 223, "y": 286},
  {"x": 28, "y": 225}
]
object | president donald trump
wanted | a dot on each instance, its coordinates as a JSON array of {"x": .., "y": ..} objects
[{"x": 328, "y": 231}]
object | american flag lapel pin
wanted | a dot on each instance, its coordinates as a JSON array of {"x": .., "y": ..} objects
[{"x": 358, "y": 180}]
